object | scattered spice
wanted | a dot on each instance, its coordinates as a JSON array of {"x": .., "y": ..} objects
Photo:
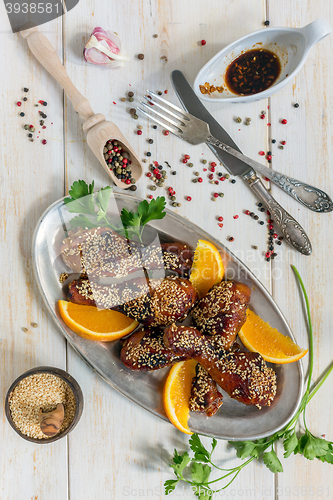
[
  {"x": 141, "y": 57},
  {"x": 238, "y": 119},
  {"x": 25, "y": 89},
  {"x": 296, "y": 105},
  {"x": 231, "y": 238},
  {"x": 19, "y": 103},
  {"x": 207, "y": 88},
  {"x": 284, "y": 121},
  {"x": 34, "y": 325},
  {"x": 203, "y": 42},
  {"x": 63, "y": 277},
  {"x": 166, "y": 132},
  {"x": 267, "y": 23},
  {"x": 24, "y": 329},
  {"x": 40, "y": 391}
]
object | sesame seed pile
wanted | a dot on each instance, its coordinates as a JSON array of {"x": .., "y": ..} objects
[{"x": 40, "y": 391}]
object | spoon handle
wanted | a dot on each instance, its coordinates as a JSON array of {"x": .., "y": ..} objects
[
  {"x": 43, "y": 50},
  {"x": 50, "y": 423},
  {"x": 311, "y": 197}
]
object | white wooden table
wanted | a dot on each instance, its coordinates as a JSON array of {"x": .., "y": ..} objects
[{"x": 119, "y": 450}]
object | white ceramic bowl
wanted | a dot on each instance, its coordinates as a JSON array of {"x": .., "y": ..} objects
[{"x": 291, "y": 45}]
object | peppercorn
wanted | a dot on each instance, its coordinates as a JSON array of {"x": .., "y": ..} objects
[
  {"x": 19, "y": 103},
  {"x": 261, "y": 222},
  {"x": 221, "y": 195},
  {"x": 153, "y": 188},
  {"x": 26, "y": 127},
  {"x": 262, "y": 209},
  {"x": 139, "y": 132},
  {"x": 284, "y": 121},
  {"x": 141, "y": 57},
  {"x": 44, "y": 141},
  {"x": 166, "y": 132},
  {"x": 267, "y": 23},
  {"x": 233, "y": 181},
  {"x": 25, "y": 89},
  {"x": 280, "y": 146},
  {"x": 148, "y": 153},
  {"x": 130, "y": 94},
  {"x": 226, "y": 176},
  {"x": 296, "y": 105},
  {"x": 273, "y": 141},
  {"x": 231, "y": 238},
  {"x": 25, "y": 99},
  {"x": 44, "y": 103},
  {"x": 174, "y": 172},
  {"x": 190, "y": 165},
  {"x": 238, "y": 119},
  {"x": 204, "y": 162},
  {"x": 269, "y": 153},
  {"x": 133, "y": 187},
  {"x": 279, "y": 242},
  {"x": 22, "y": 114},
  {"x": 156, "y": 35},
  {"x": 203, "y": 42},
  {"x": 174, "y": 204},
  {"x": 256, "y": 217},
  {"x": 29, "y": 135},
  {"x": 131, "y": 99},
  {"x": 155, "y": 127},
  {"x": 150, "y": 141},
  {"x": 44, "y": 115},
  {"x": 254, "y": 247}
]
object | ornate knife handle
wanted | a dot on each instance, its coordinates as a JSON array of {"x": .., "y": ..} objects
[
  {"x": 290, "y": 228},
  {"x": 309, "y": 196}
]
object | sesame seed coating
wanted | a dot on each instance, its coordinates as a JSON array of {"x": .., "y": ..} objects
[
  {"x": 244, "y": 376},
  {"x": 205, "y": 397}
]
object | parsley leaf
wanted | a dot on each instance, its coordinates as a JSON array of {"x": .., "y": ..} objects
[
  {"x": 170, "y": 485},
  {"x": 146, "y": 212},
  {"x": 315, "y": 447},
  {"x": 271, "y": 461},
  {"x": 200, "y": 452},
  {"x": 290, "y": 442},
  {"x": 81, "y": 191},
  {"x": 200, "y": 473},
  {"x": 180, "y": 462}
]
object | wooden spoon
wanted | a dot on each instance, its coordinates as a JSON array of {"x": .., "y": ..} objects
[
  {"x": 98, "y": 130},
  {"x": 51, "y": 422}
]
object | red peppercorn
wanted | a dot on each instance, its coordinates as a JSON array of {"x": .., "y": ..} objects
[
  {"x": 247, "y": 212},
  {"x": 148, "y": 174},
  {"x": 44, "y": 141},
  {"x": 31, "y": 126},
  {"x": 184, "y": 160},
  {"x": 109, "y": 160},
  {"x": 216, "y": 182},
  {"x": 220, "y": 225},
  {"x": 236, "y": 216},
  {"x": 212, "y": 169},
  {"x": 156, "y": 163},
  {"x": 150, "y": 196},
  {"x": 170, "y": 189},
  {"x": 156, "y": 171},
  {"x": 115, "y": 150},
  {"x": 269, "y": 124},
  {"x": 125, "y": 161},
  {"x": 262, "y": 117},
  {"x": 270, "y": 221},
  {"x": 19, "y": 103},
  {"x": 189, "y": 198},
  {"x": 275, "y": 235},
  {"x": 187, "y": 157},
  {"x": 158, "y": 176},
  {"x": 203, "y": 42},
  {"x": 222, "y": 178},
  {"x": 211, "y": 176},
  {"x": 127, "y": 181},
  {"x": 268, "y": 212},
  {"x": 231, "y": 238},
  {"x": 199, "y": 179},
  {"x": 165, "y": 91},
  {"x": 284, "y": 121},
  {"x": 268, "y": 157},
  {"x": 283, "y": 143},
  {"x": 123, "y": 166},
  {"x": 220, "y": 218},
  {"x": 266, "y": 179},
  {"x": 216, "y": 195},
  {"x": 262, "y": 153},
  {"x": 213, "y": 164},
  {"x": 267, "y": 254},
  {"x": 139, "y": 132},
  {"x": 270, "y": 226},
  {"x": 166, "y": 132},
  {"x": 109, "y": 152}
]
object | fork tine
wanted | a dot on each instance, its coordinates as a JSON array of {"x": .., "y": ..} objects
[
  {"x": 166, "y": 111},
  {"x": 176, "y": 108},
  {"x": 167, "y": 119},
  {"x": 158, "y": 121}
]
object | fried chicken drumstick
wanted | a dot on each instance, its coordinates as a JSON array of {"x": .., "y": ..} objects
[
  {"x": 222, "y": 312},
  {"x": 244, "y": 376},
  {"x": 151, "y": 302},
  {"x": 205, "y": 397}
]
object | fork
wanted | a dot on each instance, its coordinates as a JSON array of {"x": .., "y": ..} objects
[{"x": 196, "y": 131}]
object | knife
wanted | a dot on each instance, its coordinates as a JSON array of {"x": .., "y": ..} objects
[
  {"x": 309, "y": 196},
  {"x": 290, "y": 228}
]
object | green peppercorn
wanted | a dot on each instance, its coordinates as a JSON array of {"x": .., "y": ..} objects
[
  {"x": 179, "y": 204},
  {"x": 227, "y": 176},
  {"x": 32, "y": 129},
  {"x": 238, "y": 119},
  {"x": 221, "y": 195},
  {"x": 197, "y": 174},
  {"x": 160, "y": 183},
  {"x": 118, "y": 170},
  {"x": 26, "y": 127},
  {"x": 174, "y": 204},
  {"x": 163, "y": 173},
  {"x": 190, "y": 165},
  {"x": 133, "y": 182},
  {"x": 123, "y": 99},
  {"x": 131, "y": 99},
  {"x": 135, "y": 116},
  {"x": 153, "y": 188},
  {"x": 194, "y": 180},
  {"x": 281, "y": 147},
  {"x": 173, "y": 198},
  {"x": 204, "y": 162}
]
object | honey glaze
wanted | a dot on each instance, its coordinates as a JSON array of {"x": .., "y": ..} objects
[{"x": 252, "y": 72}]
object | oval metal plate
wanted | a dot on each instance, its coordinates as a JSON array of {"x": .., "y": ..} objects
[{"x": 234, "y": 421}]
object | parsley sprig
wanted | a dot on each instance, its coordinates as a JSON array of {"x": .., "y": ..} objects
[
  {"x": 195, "y": 470},
  {"x": 92, "y": 210}
]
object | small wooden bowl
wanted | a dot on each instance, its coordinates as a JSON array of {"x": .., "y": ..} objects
[{"x": 70, "y": 381}]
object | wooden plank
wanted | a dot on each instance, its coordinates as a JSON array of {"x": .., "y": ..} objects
[
  {"x": 31, "y": 178},
  {"x": 307, "y": 156},
  {"x": 126, "y": 450}
]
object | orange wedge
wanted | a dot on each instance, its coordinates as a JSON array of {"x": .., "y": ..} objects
[
  {"x": 177, "y": 392},
  {"x": 94, "y": 324},
  {"x": 207, "y": 268},
  {"x": 259, "y": 336}
]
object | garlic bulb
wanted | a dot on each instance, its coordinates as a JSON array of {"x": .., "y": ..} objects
[{"x": 104, "y": 48}]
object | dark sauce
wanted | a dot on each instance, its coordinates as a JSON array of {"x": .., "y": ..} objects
[{"x": 252, "y": 72}]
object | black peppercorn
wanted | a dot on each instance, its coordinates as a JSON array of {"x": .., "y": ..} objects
[
  {"x": 25, "y": 89},
  {"x": 25, "y": 98},
  {"x": 267, "y": 23},
  {"x": 259, "y": 204},
  {"x": 273, "y": 141},
  {"x": 150, "y": 141},
  {"x": 296, "y": 105},
  {"x": 154, "y": 127},
  {"x": 233, "y": 181},
  {"x": 141, "y": 56},
  {"x": 173, "y": 172},
  {"x": 269, "y": 152},
  {"x": 131, "y": 94},
  {"x": 133, "y": 188},
  {"x": 279, "y": 242},
  {"x": 261, "y": 223},
  {"x": 148, "y": 153},
  {"x": 29, "y": 135},
  {"x": 256, "y": 217},
  {"x": 22, "y": 114},
  {"x": 44, "y": 103}
]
